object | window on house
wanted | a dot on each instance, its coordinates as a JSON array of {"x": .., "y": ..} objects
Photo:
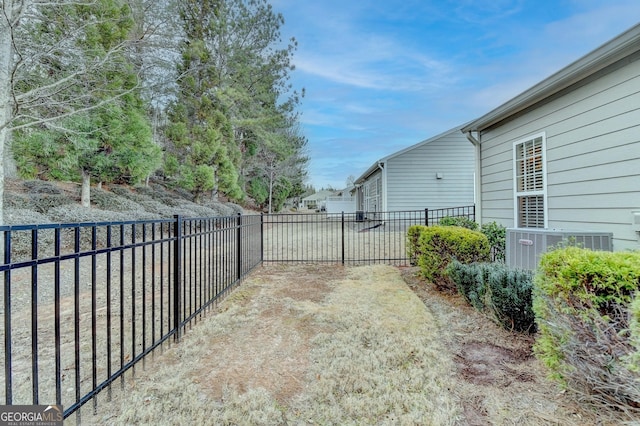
[{"x": 530, "y": 182}]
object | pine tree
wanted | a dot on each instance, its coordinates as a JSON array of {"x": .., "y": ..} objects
[{"x": 202, "y": 155}]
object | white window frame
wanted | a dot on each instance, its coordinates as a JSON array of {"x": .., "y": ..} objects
[{"x": 539, "y": 192}]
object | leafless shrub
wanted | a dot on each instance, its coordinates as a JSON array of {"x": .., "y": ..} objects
[
  {"x": 21, "y": 241},
  {"x": 106, "y": 200},
  {"x": 42, "y": 203},
  {"x": 16, "y": 201},
  {"x": 42, "y": 187},
  {"x": 595, "y": 351}
]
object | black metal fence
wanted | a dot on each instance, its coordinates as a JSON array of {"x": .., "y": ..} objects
[
  {"x": 84, "y": 303},
  {"x": 348, "y": 238}
]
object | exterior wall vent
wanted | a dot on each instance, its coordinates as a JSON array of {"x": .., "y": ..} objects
[{"x": 524, "y": 246}]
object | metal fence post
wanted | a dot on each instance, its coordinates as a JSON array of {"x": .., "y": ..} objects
[
  {"x": 8, "y": 379},
  {"x": 426, "y": 217},
  {"x": 239, "y": 246},
  {"x": 343, "y": 238},
  {"x": 261, "y": 237},
  {"x": 177, "y": 275}
]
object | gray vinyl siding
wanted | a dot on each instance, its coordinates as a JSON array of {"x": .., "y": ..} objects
[
  {"x": 411, "y": 182},
  {"x": 592, "y": 157},
  {"x": 372, "y": 197}
]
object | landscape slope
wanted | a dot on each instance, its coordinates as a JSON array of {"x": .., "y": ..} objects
[{"x": 35, "y": 201}]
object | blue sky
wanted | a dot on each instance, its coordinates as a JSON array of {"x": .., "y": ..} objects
[{"x": 381, "y": 75}]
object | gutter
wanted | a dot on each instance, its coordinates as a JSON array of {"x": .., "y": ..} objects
[
  {"x": 471, "y": 139},
  {"x": 383, "y": 196}
]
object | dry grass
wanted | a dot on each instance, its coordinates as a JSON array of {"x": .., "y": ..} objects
[
  {"x": 325, "y": 344},
  {"x": 346, "y": 346},
  {"x": 383, "y": 362}
]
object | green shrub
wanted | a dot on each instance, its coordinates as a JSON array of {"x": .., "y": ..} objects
[
  {"x": 413, "y": 235},
  {"x": 503, "y": 294},
  {"x": 587, "y": 280},
  {"x": 439, "y": 245},
  {"x": 461, "y": 221},
  {"x": 582, "y": 300},
  {"x": 470, "y": 281},
  {"x": 497, "y": 236}
]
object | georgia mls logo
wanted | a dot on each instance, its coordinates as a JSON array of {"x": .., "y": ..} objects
[
  {"x": 56, "y": 410},
  {"x": 31, "y": 415}
]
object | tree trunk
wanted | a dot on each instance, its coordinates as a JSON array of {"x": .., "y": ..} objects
[
  {"x": 214, "y": 191},
  {"x": 85, "y": 198},
  {"x": 270, "y": 190},
  {"x": 6, "y": 66}
]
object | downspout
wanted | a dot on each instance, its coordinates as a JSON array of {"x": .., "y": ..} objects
[
  {"x": 358, "y": 194},
  {"x": 383, "y": 197},
  {"x": 477, "y": 190}
]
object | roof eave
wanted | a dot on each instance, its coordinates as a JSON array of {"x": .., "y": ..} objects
[{"x": 375, "y": 166}]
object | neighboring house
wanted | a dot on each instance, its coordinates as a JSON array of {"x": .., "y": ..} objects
[
  {"x": 565, "y": 154},
  {"x": 435, "y": 173},
  {"x": 341, "y": 202},
  {"x": 317, "y": 200}
]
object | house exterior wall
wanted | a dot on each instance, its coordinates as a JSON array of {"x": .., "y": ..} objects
[
  {"x": 436, "y": 173},
  {"x": 412, "y": 177},
  {"x": 592, "y": 157},
  {"x": 339, "y": 205},
  {"x": 316, "y": 200}
]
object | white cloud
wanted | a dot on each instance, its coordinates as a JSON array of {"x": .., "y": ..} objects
[
  {"x": 401, "y": 71},
  {"x": 373, "y": 88},
  {"x": 485, "y": 12}
]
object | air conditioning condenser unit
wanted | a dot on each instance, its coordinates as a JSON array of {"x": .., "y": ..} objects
[{"x": 525, "y": 246}]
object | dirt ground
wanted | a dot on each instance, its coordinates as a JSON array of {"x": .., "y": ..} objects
[
  {"x": 495, "y": 368},
  {"x": 262, "y": 358}
]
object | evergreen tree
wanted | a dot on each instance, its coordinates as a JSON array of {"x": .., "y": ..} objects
[
  {"x": 94, "y": 125},
  {"x": 202, "y": 155},
  {"x": 74, "y": 100},
  {"x": 232, "y": 65}
]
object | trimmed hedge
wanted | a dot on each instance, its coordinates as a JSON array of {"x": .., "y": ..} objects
[
  {"x": 436, "y": 246},
  {"x": 503, "y": 294},
  {"x": 413, "y": 249},
  {"x": 496, "y": 233},
  {"x": 588, "y": 325}
]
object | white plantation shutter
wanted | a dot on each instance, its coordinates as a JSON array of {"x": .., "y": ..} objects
[
  {"x": 529, "y": 174},
  {"x": 531, "y": 211}
]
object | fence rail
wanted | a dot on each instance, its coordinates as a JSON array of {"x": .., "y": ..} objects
[
  {"x": 84, "y": 303},
  {"x": 348, "y": 238},
  {"x": 91, "y": 300}
]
